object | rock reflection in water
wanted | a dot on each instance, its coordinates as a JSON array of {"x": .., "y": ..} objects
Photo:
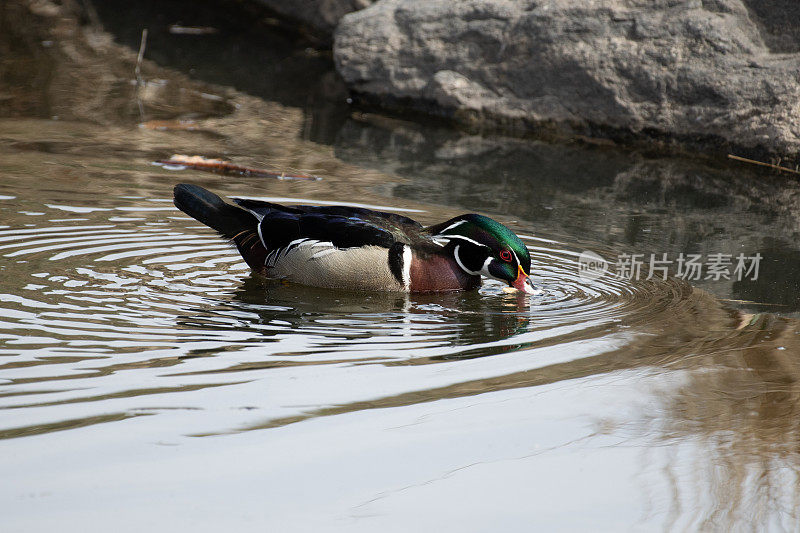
[
  {"x": 780, "y": 282},
  {"x": 598, "y": 197}
]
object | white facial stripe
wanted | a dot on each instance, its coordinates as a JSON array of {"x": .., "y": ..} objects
[
  {"x": 516, "y": 257},
  {"x": 518, "y": 261},
  {"x": 458, "y": 261},
  {"x": 451, "y": 226},
  {"x": 407, "y": 267},
  {"x": 476, "y": 243},
  {"x": 440, "y": 241}
]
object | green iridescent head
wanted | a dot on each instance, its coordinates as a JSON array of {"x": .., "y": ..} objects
[{"x": 484, "y": 246}]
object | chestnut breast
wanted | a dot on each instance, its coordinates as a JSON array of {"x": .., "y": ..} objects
[{"x": 438, "y": 272}]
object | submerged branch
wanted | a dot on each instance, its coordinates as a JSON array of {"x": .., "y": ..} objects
[{"x": 761, "y": 163}]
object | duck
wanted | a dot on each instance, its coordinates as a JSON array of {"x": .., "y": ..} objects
[{"x": 354, "y": 248}]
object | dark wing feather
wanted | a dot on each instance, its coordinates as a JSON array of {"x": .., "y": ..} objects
[
  {"x": 279, "y": 229},
  {"x": 343, "y": 232},
  {"x": 279, "y": 225},
  {"x": 377, "y": 218},
  {"x": 344, "y": 226},
  {"x": 262, "y": 208}
]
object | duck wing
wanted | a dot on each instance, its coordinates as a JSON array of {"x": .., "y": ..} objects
[
  {"x": 276, "y": 238},
  {"x": 342, "y": 226}
]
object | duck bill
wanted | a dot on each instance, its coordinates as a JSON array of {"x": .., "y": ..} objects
[{"x": 523, "y": 282}]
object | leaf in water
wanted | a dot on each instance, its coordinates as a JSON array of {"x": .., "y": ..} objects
[{"x": 220, "y": 166}]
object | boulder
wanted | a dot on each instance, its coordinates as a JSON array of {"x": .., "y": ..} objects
[{"x": 710, "y": 74}]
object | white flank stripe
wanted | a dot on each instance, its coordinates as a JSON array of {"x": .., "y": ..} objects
[
  {"x": 323, "y": 253},
  {"x": 261, "y": 237},
  {"x": 407, "y": 267}
]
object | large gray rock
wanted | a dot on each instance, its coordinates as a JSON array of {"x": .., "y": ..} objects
[{"x": 689, "y": 71}]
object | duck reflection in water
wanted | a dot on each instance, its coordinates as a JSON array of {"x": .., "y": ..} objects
[{"x": 454, "y": 318}]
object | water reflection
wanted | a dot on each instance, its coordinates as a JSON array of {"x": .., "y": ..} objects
[
  {"x": 596, "y": 197},
  {"x": 165, "y": 298},
  {"x": 780, "y": 286},
  {"x": 738, "y": 404},
  {"x": 126, "y": 327},
  {"x": 262, "y": 56}
]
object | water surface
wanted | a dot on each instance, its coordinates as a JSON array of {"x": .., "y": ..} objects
[{"x": 148, "y": 380}]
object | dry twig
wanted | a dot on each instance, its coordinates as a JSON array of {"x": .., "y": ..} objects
[
  {"x": 138, "y": 73},
  {"x": 761, "y": 163}
]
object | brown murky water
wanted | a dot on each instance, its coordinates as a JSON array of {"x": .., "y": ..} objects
[{"x": 147, "y": 380}]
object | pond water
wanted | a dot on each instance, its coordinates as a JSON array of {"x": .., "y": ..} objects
[{"x": 148, "y": 380}]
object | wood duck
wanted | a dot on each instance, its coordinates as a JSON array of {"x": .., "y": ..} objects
[{"x": 361, "y": 249}]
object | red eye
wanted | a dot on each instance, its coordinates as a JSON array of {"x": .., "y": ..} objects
[{"x": 505, "y": 255}]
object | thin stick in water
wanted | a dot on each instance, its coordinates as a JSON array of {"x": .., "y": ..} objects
[
  {"x": 138, "y": 73},
  {"x": 761, "y": 163},
  {"x": 142, "y": 45}
]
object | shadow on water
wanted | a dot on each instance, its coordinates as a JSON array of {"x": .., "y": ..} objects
[{"x": 245, "y": 48}]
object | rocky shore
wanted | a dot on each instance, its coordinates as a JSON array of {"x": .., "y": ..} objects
[
  {"x": 719, "y": 76},
  {"x": 714, "y": 75}
]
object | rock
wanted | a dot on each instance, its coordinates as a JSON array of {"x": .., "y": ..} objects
[
  {"x": 711, "y": 74},
  {"x": 320, "y": 15}
]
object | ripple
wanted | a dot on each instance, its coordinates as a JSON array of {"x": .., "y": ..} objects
[{"x": 102, "y": 307}]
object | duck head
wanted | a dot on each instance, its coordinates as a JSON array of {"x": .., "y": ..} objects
[{"x": 484, "y": 246}]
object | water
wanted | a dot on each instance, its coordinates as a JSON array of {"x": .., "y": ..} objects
[{"x": 148, "y": 380}]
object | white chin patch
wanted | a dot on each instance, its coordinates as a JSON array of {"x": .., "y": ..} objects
[{"x": 485, "y": 268}]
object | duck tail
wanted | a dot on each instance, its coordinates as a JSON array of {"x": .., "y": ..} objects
[
  {"x": 231, "y": 222},
  {"x": 213, "y": 211}
]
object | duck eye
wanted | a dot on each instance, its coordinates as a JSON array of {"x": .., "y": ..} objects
[{"x": 505, "y": 255}]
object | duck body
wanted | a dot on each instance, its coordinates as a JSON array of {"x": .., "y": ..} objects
[{"x": 360, "y": 249}]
